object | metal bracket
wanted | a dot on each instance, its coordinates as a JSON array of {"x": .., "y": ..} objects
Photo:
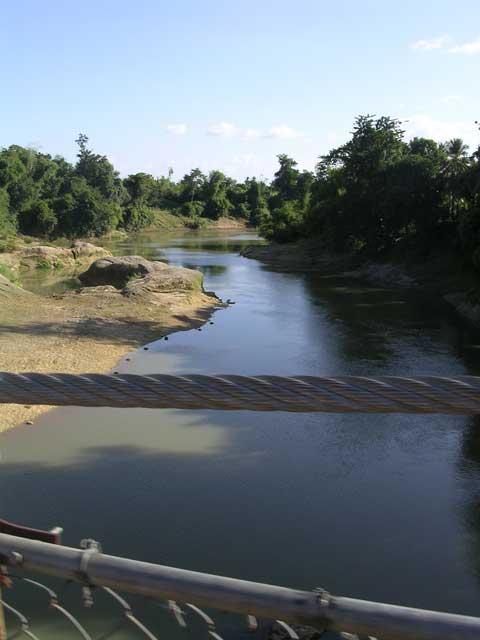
[{"x": 91, "y": 547}]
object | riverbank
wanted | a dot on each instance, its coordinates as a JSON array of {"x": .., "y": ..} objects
[
  {"x": 441, "y": 275},
  {"x": 92, "y": 329},
  {"x": 171, "y": 222}
]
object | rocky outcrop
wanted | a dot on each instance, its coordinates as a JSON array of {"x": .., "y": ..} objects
[
  {"x": 119, "y": 271},
  {"x": 46, "y": 257},
  {"x": 86, "y": 250},
  {"x": 166, "y": 280},
  {"x": 139, "y": 279}
]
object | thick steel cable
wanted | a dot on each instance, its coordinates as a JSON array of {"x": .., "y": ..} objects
[{"x": 340, "y": 394}]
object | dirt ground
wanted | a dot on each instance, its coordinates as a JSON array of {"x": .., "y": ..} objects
[{"x": 84, "y": 332}]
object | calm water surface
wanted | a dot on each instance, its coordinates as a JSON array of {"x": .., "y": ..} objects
[{"x": 375, "y": 507}]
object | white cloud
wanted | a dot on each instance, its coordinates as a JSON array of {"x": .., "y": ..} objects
[
  {"x": 468, "y": 48},
  {"x": 177, "y": 129},
  {"x": 434, "y": 43},
  {"x": 283, "y": 132},
  {"x": 223, "y": 129},
  {"x": 453, "y": 99},
  {"x": 422, "y": 125},
  {"x": 251, "y": 134},
  {"x": 229, "y": 130}
]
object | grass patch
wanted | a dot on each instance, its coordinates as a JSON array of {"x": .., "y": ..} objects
[
  {"x": 7, "y": 273},
  {"x": 167, "y": 220}
]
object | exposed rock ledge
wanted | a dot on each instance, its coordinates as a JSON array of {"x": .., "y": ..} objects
[{"x": 39, "y": 256}]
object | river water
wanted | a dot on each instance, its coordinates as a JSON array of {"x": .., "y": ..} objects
[{"x": 376, "y": 507}]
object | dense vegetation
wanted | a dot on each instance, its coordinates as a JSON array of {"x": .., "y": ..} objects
[
  {"x": 375, "y": 194},
  {"x": 378, "y": 194},
  {"x": 47, "y": 196}
]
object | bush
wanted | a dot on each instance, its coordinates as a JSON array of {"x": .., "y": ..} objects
[
  {"x": 195, "y": 222},
  {"x": 43, "y": 263},
  {"x": 137, "y": 217},
  {"x": 284, "y": 223}
]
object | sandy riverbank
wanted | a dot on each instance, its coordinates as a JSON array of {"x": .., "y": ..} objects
[{"x": 84, "y": 332}]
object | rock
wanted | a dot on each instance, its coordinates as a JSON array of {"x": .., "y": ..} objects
[
  {"x": 119, "y": 271},
  {"x": 165, "y": 280},
  {"x": 46, "y": 257},
  {"x": 82, "y": 250}
]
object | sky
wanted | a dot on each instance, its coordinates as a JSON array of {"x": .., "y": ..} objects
[{"x": 231, "y": 84}]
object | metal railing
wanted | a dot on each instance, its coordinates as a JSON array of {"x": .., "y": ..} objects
[{"x": 91, "y": 568}]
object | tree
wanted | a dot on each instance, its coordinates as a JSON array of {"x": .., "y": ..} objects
[
  {"x": 38, "y": 219},
  {"x": 97, "y": 171},
  {"x": 256, "y": 198},
  {"x": 7, "y": 224},
  {"x": 456, "y": 163},
  {"x": 217, "y": 203},
  {"x": 191, "y": 185},
  {"x": 285, "y": 181}
]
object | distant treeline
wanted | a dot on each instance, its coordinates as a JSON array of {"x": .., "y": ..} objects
[
  {"x": 47, "y": 196},
  {"x": 375, "y": 194}
]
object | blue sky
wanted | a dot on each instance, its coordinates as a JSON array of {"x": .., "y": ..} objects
[{"x": 230, "y": 84}]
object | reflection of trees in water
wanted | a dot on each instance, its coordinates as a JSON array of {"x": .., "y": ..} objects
[
  {"x": 207, "y": 269},
  {"x": 377, "y": 323},
  {"x": 467, "y": 343},
  {"x": 469, "y": 465}
]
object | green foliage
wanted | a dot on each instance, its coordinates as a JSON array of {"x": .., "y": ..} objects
[
  {"x": 43, "y": 263},
  {"x": 46, "y": 196},
  {"x": 377, "y": 194},
  {"x": 6, "y": 219},
  {"x": 195, "y": 222},
  {"x": 7, "y": 273},
  {"x": 137, "y": 217},
  {"x": 7, "y": 244},
  {"x": 284, "y": 224},
  {"x": 193, "y": 209}
]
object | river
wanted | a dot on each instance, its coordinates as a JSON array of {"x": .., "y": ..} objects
[{"x": 370, "y": 506}]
